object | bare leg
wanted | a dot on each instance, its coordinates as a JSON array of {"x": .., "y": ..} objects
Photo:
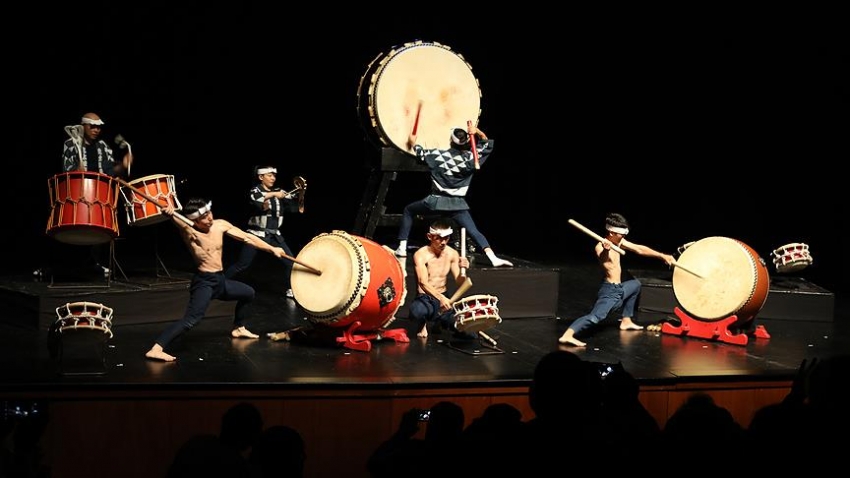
[
  {"x": 157, "y": 353},
  {"x": 627, "y": 324},
  {"x": 568, "y": 339},
  {"x": 243, "y": 333},
  {"x": 423, "y": 333}
]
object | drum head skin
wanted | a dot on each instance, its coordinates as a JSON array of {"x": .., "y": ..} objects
[
  {"x": 340, "y": 287},
  {"x": 429, "y": 74},
  {"x": 734, "y": 280}
]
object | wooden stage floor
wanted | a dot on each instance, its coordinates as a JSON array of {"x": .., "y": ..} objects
[{"x": 212, "y": 365}]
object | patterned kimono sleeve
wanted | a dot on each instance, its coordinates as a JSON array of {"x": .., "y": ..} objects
[
  {"x": 484, "y": 149},
  {"x": 69, "y": 156}
]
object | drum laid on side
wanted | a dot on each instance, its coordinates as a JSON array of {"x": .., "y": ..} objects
[
  {"x": 734, "y": 281},
  {"x": 476, "y": 313},
  {"x": 140, "y": 210},
  {"x": 83, "y": 208},
  {"x": 395, "y": 82},
  {"x": 360, "y": 281}
]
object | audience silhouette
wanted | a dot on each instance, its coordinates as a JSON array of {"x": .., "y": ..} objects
[{"x": 279, "y": 452}]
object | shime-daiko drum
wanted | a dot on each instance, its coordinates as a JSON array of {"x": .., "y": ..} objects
[
  {"x": 476, "y": 313},
  {"x": 142, "y": 211},
  {"x": 360, "y": 281},
  {"x": 733, "y": 281},
  {"x": 418, "y": 74}
]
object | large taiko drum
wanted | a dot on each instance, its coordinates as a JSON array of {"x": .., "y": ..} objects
[
  {"x": 83, "y": 208},
  {"x": 360, "y": 281},
  {"x": 141, "y": 211},
  {"x": 734, "y": 281},
  {"x": 395, "y": 84}
]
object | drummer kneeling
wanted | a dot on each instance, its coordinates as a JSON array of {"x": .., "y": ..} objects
[{"x": 433, "y": 264}]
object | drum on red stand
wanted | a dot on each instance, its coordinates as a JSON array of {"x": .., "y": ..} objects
[{"x": 360, "y": 281}]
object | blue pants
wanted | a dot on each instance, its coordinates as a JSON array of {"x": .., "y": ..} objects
[
  {"x": 609, "y": 297},
  {"x": 426, "y": 308},
  {"x": 462, "y": 218},
  {"x": 205, "y": 287},
  {"x": 249, "y": 252}
]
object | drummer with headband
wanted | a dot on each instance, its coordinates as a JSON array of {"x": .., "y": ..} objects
[
  {"x": 268, "y": 204},
  {"x": 205, "y": 240},
  {"x": 451, "y": 175},
  {"x": 433, "y": 264},
  {"x": 85, "y": 151},
  {"x": 613, "y": 292}
]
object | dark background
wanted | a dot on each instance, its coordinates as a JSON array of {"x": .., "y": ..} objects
[{"x": 689, "y": 128}]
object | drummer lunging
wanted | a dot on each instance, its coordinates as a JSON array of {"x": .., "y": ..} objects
[
  {"x": 613, "y": 292},
  {"x": 433, "y": 264},
  {"x": 205, "y": 240}
]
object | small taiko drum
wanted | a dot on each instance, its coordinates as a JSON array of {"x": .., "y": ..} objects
[
  {"x": 83, "y": 208},
  {"x": 792, "y": 257},
  {"x": 476, "y": 313},
  {"x": 89, "y": 316},
  {"x": 733, "y": 281},
  {"x": 142, "y": 211},
  {"x": 360, "y": 281},
  {"x": 416, "y": 74}
]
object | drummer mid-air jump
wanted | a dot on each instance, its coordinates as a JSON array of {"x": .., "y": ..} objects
[{"x": 613, "y": 291}]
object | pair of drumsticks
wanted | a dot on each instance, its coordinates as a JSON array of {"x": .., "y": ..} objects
[
  {"x": 620, "y": 250},
  {"x": 468, "y": 130}
]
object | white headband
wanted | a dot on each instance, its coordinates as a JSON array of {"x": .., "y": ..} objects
[
  {"x": 440, "y": 232},
  {"x": 267, "y": 170},
  {"x": 457, "y": 140},
  {"x": 618, "y": 230},
  {"x": 96, "y": 122},
  {"x": 200, "y": 212}
]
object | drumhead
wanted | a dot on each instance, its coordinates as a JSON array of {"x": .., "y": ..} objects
[
  {"x": 343, "y": 281},
  {"x": 396, "y": 82},
  {"x": 730, "y": 279}
]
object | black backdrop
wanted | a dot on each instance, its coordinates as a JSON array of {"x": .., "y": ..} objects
[{"x": 690, "y": 130}]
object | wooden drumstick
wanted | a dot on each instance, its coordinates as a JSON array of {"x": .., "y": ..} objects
[
  {"x": 596, "y": 236},
  {"x": 463, "y": 248},
  {"x": 416, "y": 120},
  {"x": 461, "y": 290},
  {"x": 676, "y": 264},
  {"x": 472, "y": 144}
]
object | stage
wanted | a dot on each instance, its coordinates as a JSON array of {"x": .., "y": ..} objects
[{"x": 343, "y": 400}]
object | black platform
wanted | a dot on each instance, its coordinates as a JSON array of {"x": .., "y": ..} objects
[{"x": 790, "y": 297}]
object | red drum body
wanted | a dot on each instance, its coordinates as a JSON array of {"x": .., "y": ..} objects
[
  {"x": 476, "y": 313},
  {"x": 83, "y": 208},
  {"x": 398, "y": 82},
  {"x": 84, "y": 316},
  {"x": 140, "y": 210},
  {"x": 792, "y": 257},
  {"x": 361, "y": 281},
  {"x": 734, "y": 281}
]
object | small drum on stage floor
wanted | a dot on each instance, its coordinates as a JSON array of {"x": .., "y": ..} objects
[
  {"x": 141, "y": 211},
  {"x": 734, "y": 280},
  {"x": 83, "y": 208},
  {"x": 396, "y": 82},
  {"x": 79, "y": 336},
  {"x": 476, "y": 313},
  {"x": 87, "y": 316},
  {"x": 360, "y": 281},
  {"x": 792, "y": 257}
]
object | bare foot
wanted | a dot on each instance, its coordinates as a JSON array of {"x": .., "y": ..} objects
[
  {"x": 568, "y": 339},
  {"x": 627, "y": 324},
  {"x": 157, "y": 353},
  {"x": 423, "y": 334},
  {"x": 243, "y": 333}
]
